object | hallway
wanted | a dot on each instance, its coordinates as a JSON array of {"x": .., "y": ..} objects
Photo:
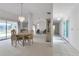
[{"x": 62, "y": 48}]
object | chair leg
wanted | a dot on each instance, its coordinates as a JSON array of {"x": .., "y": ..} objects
[
  {"x": 18, "y": 41},
  {"x": 23, "y": 42},
  {"x": 32, "y": 41},
  {"x": 12, "y": 42},
  {"x": 15, "y": 43},
  {"x": 28, "y": 41}
]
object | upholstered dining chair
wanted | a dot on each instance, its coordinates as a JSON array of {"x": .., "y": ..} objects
[
  {"x": 29, "y": 38},
  {"x": 15, "y": 38},
  {"x": 19, "y": 38}
]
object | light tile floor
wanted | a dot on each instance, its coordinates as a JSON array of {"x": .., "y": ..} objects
[
  {"x": 39, "y": 48},
  {"x": 62, "y": 48}
]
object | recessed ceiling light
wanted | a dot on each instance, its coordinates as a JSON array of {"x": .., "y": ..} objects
[
  {"x": 38, "y": 24},
  {"x": 58, "y": 18}
]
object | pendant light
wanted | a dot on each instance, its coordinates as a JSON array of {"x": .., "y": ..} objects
[{"x": 21, "y": 17}]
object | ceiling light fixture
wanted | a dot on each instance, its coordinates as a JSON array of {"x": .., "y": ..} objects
[
  {"x": 58, "y": 18},
  {"x": 21, "y": 17}
]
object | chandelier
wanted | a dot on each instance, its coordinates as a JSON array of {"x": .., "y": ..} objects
[{"x": 21, "y": 17}]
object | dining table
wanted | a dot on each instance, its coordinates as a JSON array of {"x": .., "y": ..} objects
[{"x": 23, "y": 35}]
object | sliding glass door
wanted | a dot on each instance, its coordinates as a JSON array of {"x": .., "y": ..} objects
[
  {"x": 11, "y": 25},
  {"x": 2, "y": 29},
  {"x": 6, "y": 27}
]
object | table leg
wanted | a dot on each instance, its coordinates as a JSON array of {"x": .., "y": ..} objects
[{"x": 23, "y": 41}]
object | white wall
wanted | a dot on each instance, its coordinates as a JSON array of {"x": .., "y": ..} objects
[
  {"x": 74, "y": 28},
  {"x": 61, "y": 26},
  {"x": 73, "y": 38},
  {"x": 30, "y": 22},
  {"x": 42, "y": 24},
  {"x": 72, "y": 12},
  {"x": 52, "y": 32}
]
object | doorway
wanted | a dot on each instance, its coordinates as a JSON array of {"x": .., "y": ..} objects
[
  {"x": 66, "y": 28},
  {"x": 56, "y": 28}
]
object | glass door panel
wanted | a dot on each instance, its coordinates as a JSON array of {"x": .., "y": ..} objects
[
  {"x": 2, "y": 29},
  {"x": 11, "y": 25}
]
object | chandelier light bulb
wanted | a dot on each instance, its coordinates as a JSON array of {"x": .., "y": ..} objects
[{"x": 21, "y": 18}]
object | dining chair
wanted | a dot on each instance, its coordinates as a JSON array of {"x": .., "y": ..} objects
[
  {"x": 15, "y": 38},
  {"x": 29, "y": 38}
]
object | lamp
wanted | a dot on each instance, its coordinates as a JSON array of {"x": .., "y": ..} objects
[{"x": 21, "y": 17}]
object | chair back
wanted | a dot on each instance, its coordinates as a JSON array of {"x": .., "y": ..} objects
[{"x": 13, "y": 34}]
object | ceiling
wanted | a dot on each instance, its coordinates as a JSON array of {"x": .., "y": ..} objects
[
  {"x": 36, "y": 10},
  {"x": 13, "y": 10},
  {"x": 62, "y": 10}
]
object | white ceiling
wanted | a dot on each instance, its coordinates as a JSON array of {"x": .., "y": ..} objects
[
  {"x": 37, "y": 10},
  {"x": 12, "y": 10},
  {"x": 62, "y": 10}
]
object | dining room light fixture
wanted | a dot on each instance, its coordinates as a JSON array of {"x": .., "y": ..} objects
[{"x": 21, "y": 17}]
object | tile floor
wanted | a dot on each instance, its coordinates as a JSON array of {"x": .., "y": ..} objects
[
  {"x": 39, "y": 48},
  {"x": 62, "y": 48}
]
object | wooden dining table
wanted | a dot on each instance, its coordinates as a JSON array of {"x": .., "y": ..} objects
[{"x": 23, "y": 35}]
